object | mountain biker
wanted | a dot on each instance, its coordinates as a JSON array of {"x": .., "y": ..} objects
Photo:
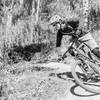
[{"x": 64, "y": 27}]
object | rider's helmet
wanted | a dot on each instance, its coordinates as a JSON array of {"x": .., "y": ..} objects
[{"x": 55, "y": 19}]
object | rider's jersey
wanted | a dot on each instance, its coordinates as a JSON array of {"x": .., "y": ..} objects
[
  {"x": 74, "y": 25},
  {"x": 67, "y": 29},
  {"x": 84, "y": 36}
]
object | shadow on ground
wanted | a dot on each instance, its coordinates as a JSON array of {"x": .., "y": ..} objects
[
  {"x": 28, "y": 52},
  {"x": 75, "y": 86}
]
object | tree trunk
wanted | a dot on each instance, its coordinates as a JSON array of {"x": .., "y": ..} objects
[
  {"x": 37, "y": 13},
  {"x": 8, "y": 26},
  {"x": 21, "y": 2},
  {"x": 85, "y": 13}
]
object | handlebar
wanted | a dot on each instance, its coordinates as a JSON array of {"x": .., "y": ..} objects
[{"x": 71, "y": 33}]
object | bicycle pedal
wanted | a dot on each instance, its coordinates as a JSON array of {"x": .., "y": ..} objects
[{"x": 59, "y": 59}]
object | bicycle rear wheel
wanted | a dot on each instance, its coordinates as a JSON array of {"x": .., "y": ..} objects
[{"x": 89, "y": 84}]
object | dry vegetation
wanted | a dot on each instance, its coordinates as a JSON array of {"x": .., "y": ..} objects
[{"x": 25, "y": 22}]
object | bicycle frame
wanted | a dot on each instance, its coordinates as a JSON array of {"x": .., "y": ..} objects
[{"x": 81, "y": 54}]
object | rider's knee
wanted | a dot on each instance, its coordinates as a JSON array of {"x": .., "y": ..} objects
[{"x": 96, "y": 51}]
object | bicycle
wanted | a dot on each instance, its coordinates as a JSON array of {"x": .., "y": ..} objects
[{"x": 89, "y": 75}]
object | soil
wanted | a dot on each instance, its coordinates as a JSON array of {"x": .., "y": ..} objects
[{"x": 26, "y": 81}]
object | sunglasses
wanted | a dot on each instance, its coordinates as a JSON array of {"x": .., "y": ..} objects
[{"x": 54, "y": 24}]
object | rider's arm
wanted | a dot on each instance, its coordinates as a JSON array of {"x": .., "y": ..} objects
[{"x": 59, "y": 39}]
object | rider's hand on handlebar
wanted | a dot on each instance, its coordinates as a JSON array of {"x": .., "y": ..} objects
[
  {"x": 61, "y": 58},
  {"x": 78, "y": 32}
]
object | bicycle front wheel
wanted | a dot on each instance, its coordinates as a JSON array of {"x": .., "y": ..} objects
[{"x": 83, "y": 80}]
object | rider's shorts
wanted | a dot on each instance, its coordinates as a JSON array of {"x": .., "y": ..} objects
[{"x": 89, "y": 41}]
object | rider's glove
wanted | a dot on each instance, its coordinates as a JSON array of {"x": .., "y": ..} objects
[{"x": 78, "y": 32}]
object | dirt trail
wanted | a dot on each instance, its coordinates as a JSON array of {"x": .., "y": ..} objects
[
  {"x": 75, "y": 92},
  {"x": 28, "y": 82}
]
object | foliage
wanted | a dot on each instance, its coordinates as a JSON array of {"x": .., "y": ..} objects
[{"x": 18, "y": 20}]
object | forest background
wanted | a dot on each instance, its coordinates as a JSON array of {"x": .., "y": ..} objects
[
  {"x": 24, "y": 29},
  {"x": 26, "y": 38}
]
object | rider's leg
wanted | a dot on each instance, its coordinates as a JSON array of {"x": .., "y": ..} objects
[{"x": 91, "y": 43}]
